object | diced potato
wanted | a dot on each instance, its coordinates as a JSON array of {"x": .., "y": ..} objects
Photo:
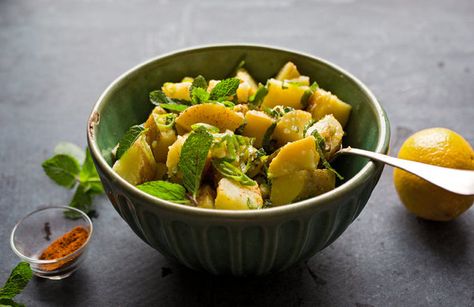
[
  {"x": 257, "y": 123},
  {"x": 301, "y": 185},
  {"x": 188, "y": 79},
  {"x": 178, "y": 90},
  {"x": 160, "y": 146},
  {"x": 137, "y": 164},
  {"x": 243, "y": 75},
  {"x": 331, "y": 130},
  {"x": 322, "y": 103},
  {"x": 205, "y": 197},
  {"x": 291, "y": 126},
  {"x": 159, "y": 137},
  {"x": 293, "y": 157},
  {"x": 152, "y": 131},
  {"x": 233, "y": 196},
  {"x": 287, "y": 72},
  {"x": 283, "y": 93},
  {"x": 242, "y": 108},
  {"x": 243, "y": 92},
  {"x": 209, "y": 113},
  {"x": 174, "y": 153}
]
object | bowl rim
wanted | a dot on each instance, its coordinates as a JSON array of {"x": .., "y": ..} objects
[
  {"x": 383, "y": 139},
  {"x": 56, "y": 260}
]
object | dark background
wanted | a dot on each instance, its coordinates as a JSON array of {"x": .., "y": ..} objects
[{"x": 56, "y": 57}]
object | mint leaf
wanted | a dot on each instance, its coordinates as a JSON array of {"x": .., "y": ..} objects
[
  {"x": 81, "y": 200},
  {"x": 199, "y": 95},
  {"x": 157, "y": 97},
  {"x": 224, "y": 89},
  {"x": 199, "y": 82},
  {"x": 69, "y": 149},
  {"x": 256, "y": 99},
  {"x": 19, "y": 278},
  {"x": 193, "y": 158},
  {"x": 128, "y": 139},
  {"x": 320, "y": 144},
  {"x": 62, "y": 169},
  {"x": 89, "y": 176},
  {"x": 174, "y": 107},
  {"x": 230, "y": 171},
  {"x": 165, "y": 190}
]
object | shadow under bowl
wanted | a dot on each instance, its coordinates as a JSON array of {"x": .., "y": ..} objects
[{"x": 242, "y": 243}]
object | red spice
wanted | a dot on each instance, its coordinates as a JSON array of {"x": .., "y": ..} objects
[{"x": 63, "y": 246}]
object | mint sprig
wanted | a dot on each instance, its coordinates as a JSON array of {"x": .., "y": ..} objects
[
  {"x": 193, "y": 158},
  {"x": 16, "y": 282},
  {"x": 128, "y": 139},
  {"x": 165, "y": 190},
  {"x": 224, "y": 89},
  {"x": 66, "y": 171}
]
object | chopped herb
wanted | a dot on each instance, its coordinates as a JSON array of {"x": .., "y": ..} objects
[
  {"x": 199, "y": 95},
  {"x": 255, "y": 101},
  {"x": 157, "y": 97},
  {"x": 304, "y": 101},
  {"x": 267, "y": 137},
  {"x": 193, "y": 158},
  {"x": 320, "y": 144},
  {"x": 230, "y": 171},
  {"x": 165, "y": 190},
  {"x": 224, "y": 89},
  {"x": 314, "y": 86},
  {"x": 199, "y": 82},
  {"x": 128, "y": 139},
  {"x": 174, "y": 107}
]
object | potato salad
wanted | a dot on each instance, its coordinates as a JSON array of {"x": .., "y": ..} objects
[{"x": 236, "y": 144}]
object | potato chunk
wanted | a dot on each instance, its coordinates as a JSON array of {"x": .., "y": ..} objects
[
  {"x": 331, "y": 130},
  {"x": 291, "y": 126},
  {"x": 243, "y": 75},
  {"x": 137, "y": 164},
  {"x": 284, "y": 93},
  {"x": 287, "y": 72},
  {"x": 301, "y": 185},
  {"x": 293, "y": 157},
  {"x": 178, "y": 90},
  {"x": 209, "y": 113},
  {"x": 257, "y": 123},
  {"x": 322, "y": 103},
  {"x": 233, "y": 196},
  {"x": 174, "y": 153}
]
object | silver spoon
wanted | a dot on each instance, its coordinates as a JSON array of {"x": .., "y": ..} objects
[{"x": 454, "y": 180}]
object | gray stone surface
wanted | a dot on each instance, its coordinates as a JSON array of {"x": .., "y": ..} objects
[{"x": 56, "y": 57}]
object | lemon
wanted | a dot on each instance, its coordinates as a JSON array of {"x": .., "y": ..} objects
[{"x": 436, "y": 146}]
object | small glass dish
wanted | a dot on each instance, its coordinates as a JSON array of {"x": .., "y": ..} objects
[{"x": 36, "y": 232}]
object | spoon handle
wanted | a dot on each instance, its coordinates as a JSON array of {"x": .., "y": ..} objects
[{"x": 454, "y": 180}]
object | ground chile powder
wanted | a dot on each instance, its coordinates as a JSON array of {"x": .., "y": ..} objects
[{"x": 63, "y": 246}]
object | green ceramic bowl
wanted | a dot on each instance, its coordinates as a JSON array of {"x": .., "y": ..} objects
[{"x": 238, "y": 242}]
